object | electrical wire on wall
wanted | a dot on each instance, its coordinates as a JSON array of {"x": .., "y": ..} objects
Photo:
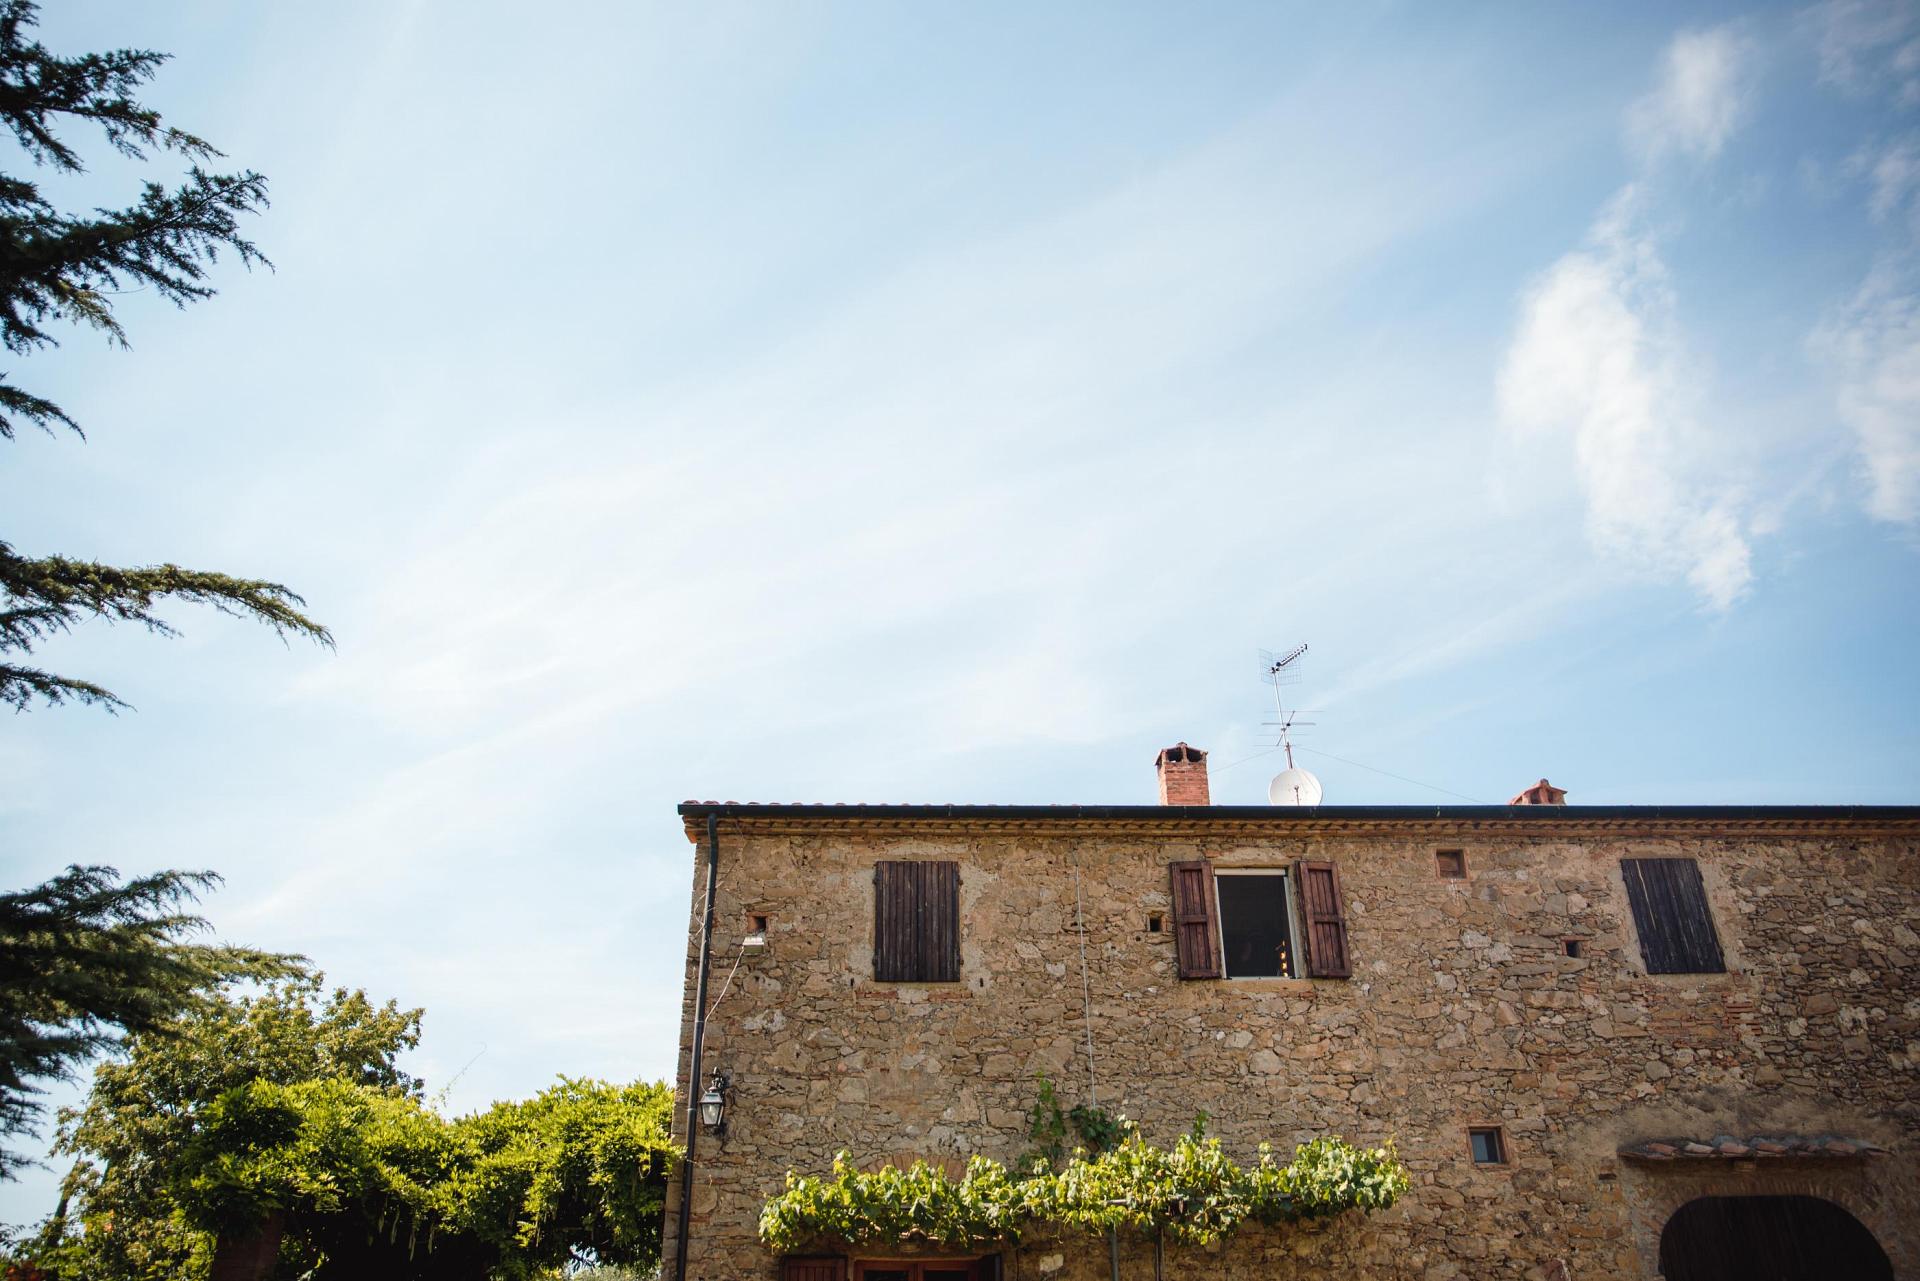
[{"x": 1086, "y": 982}]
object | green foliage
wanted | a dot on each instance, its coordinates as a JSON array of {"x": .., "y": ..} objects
[
  {"x": 1326, "y": 1177},
  {"x": 1099, "y": 1129},
  {"x": 53, "y": 594},
  {"x": 1047, "y": 1124},
  {"x": 290, "y": 1103},
  {"x": 136, "y": 1138},
  {"x": 63, "y": 267},
  {"x": 579, "y": 1168},
  {"x": 1192, "y": 1192},
  {"x": 86, "y": 960},
  {"x": 921, "y": 1204}
]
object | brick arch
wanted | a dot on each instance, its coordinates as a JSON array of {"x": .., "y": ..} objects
[
  {"x": 1713, "y": 1237},
  {"x": 1655, "y": 1196}
]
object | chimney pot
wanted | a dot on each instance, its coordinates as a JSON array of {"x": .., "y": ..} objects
[
  {"x": 1183, "y": 775},
  {"x": 1541, "y": 793}
]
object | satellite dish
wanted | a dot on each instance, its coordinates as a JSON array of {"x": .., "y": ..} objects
[{"x": 1294, "y": 787}]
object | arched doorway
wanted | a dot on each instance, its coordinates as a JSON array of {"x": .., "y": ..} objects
[{"x": 1769, "y": 1238}]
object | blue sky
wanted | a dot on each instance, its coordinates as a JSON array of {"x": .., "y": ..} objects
[{"x": 900, "y": 403}]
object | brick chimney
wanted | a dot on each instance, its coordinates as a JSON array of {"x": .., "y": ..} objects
[
  {"x": 1541, "y": 793},
  {"x": 1183, "y": 775}
]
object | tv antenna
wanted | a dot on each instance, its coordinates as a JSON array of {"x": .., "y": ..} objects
[{"x": 1292, "y": 786}]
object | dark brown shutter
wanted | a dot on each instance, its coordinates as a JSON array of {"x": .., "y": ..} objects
[
  {"x": 1325, "y": 918},
  {"x": 814, "y": 1269},
  {"x": 916, "y": 922},
  {"x": 894, "y": 955},
  {"x": 938, "y": 903},
  {"x": 1196, "y": 927},
  {"x": 1670, "y": 913}
]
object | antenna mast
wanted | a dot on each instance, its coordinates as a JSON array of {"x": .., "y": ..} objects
[
  {"x": 1293, "y": 786},
  {"x": 1275, "y": 673}
]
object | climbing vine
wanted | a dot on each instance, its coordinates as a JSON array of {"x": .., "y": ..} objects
[
  {"x": 1047, "y": 1123},
  {"x": 922, "y": 1203},
  {"x": 1191, "y": 1192}
]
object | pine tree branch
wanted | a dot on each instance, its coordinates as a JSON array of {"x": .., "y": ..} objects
[
  {"x": 86, "y": 962},
  {"x": 27, "y": 407},
  {"x": 53, "y": 594},
  {"x": 20, "y": 686},
  {"x": 56, "y": 267},
  {"x": 35, "y": 84}
]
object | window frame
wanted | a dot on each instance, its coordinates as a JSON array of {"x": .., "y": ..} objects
[
  {"x": 1502, "y": 1156},
  {"x": 1290, "y": 920}
]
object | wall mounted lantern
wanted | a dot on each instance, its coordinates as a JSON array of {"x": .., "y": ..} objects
[{"x": 713, "y": 1103}]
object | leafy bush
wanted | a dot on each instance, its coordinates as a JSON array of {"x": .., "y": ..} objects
[
  {"x": 285, "y": 1104},
  {"x": 1191, "y": 1192},
  {"x": 918, "y": 1204}
]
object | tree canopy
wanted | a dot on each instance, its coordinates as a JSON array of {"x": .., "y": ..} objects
[
  {"x": 60, "y": 267},
  {"x": 277, "y": 1124},
  {"x": 86, "y": 960}
]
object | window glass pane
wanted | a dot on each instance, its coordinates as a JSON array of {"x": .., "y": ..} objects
[
  {"x": 1486, "y": 1146},
  {"x": 1253, "y": 924}
]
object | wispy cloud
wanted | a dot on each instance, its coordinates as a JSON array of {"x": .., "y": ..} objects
[
  {"x": 1599, "y": 356},
  {"x": 1870, "y": 47},
  {"x": 1872, "y": 343},
  {"x": 1596, "y": 358},
  {"x": 1700, "y": 99}
]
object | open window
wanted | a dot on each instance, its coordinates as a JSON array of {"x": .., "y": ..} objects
[
  {"x": 1259, "y": 922},
  {"x": 1256, "y": 926}
]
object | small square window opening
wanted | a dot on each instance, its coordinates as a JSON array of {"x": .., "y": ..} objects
[
  {"x": 756, "y": 922},
  {"x": 1451, "y": 864},
  {"x": 1156, "y": 922},
  {"x": 1572, "y": 947},
  {"x": 1489, "y": 1145}
]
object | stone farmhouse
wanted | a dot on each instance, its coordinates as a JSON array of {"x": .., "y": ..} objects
[{"x": 1609, "y": 1042}]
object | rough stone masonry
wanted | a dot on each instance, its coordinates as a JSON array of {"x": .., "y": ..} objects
[{"x": 1498, "y": 981}]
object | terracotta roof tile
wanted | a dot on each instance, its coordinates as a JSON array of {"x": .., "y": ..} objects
[{"x": 1724, "y": 1147}]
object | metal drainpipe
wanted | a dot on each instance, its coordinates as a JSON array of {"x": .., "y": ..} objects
[{"x": 699, "y": 1045}]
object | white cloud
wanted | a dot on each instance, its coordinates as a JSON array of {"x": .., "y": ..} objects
[
  {"x": 1595, "y": 361},
  {"x": 1873, "y": 346},
  {"x": 1870, "y": 47},
  {"x": 1700, "y": 99},
  {"x": 1894, "y": 171}
]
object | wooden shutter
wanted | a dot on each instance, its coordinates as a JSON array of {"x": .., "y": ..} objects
[
  {"x": 1670, "y": 913},
  {"x": 938, "y": 920},
  {"x": 814, "y": 1269},
  {"x": 1196, "y": 924},
  {"x": 1325, "y": 918},
  {"x": 916, "y": 922}
]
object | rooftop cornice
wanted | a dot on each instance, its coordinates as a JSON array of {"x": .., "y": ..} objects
[{"x": 1533, "y": 821}]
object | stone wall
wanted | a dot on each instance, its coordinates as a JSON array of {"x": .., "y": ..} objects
[{"x": 1462, "y": 1010}]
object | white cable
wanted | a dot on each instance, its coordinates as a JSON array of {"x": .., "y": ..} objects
[{"x": 1086, "y": 984}]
